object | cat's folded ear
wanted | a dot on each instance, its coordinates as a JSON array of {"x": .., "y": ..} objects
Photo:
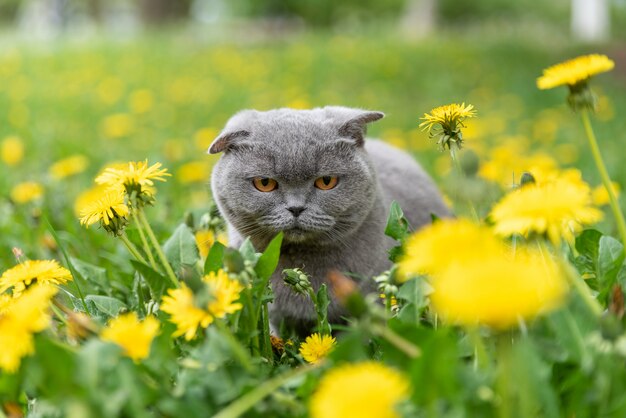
[
  {"x": 237, "y": 128},
  {"x": 353, "y": 122}
]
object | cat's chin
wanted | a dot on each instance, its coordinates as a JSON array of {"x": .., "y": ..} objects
[{"x": 297, "y": 235}]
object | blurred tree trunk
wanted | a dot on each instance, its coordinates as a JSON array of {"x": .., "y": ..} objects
[
  {"x": 420, "y": 18},
  {"x": 591, "y": 20},
  {"x": 163, "y": 11}
]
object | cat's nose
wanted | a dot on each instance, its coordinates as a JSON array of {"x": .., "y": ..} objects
[{"x": 296, "y": 210}]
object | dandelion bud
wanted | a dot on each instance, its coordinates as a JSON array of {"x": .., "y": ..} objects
[
  {"x": 297, "y": 280},
  {"x": 527, "y": 179}
]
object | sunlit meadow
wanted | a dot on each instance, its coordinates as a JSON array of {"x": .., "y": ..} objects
[{"x": 508, "y": 311}]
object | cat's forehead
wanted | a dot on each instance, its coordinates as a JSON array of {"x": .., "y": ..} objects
[
  {"x": 295, "y": 160},
  {"x": 291, "y": 128}
]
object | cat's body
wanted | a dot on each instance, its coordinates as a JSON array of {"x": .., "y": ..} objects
[{"x": 341, "y": 228}]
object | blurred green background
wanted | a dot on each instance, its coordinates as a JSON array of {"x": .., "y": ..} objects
[{"x": 87, "y": 83}]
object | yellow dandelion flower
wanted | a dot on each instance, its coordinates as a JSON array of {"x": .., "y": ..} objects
[
  {"x": 557, "y": 208},
  {"x": 86, "y": 197},
  {"x": 205, "y": 239},
  {"x": 68, "y": 167},
  {"x": 364, "y": 390},
  {"x": 11, "y": 150},
  {"x": 108, "y": 208},
  {"x": 134, "y": 336},
  {"x": 600, "y": 194},
  {"x": 29, "y": 272},
  {"x": 498, "y": 290},
  {"x": 20, "y": 318},
  {"x": 217, "y": 300},
  {"x": 26, "y": 192},
  {"x": 435, "y": 246},
  {"x": 136, "y": 178},
  {"x": 574, "y": 71},
  {"x": 449, "y": 119},
  {"x": 316, "y": 347},
  {"x": 224, "y": 294},
  {"x": 117, "y": 126},
  {"x": 187, "y": 317}
]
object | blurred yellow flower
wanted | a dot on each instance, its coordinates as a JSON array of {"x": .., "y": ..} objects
[
  {"x": 600, "y": 195},
  {"x": 174, "y": 150},
  {"x": 69, "y": 166},
  {"x": 507, "y": 162},
  {"x": 141, "y": 101},
  {"x": 12, "y": 150},
  {"x": 204, "y": 137},
  {"x": 134, "y": 336},
  {"x": 221, "y": 295},
  {"x": 26, "y": 192},
  {"x": 193, "y": 172},
  {"x": 20, "y": 277},
  {"x": 497, "y": 290},
  {"x": 363, "y": 390},
  {"x": 117, "y": 126},
  {"x": 299, "y": 103},
  {"x": 187, "y": 317},
  {"x": 20, "y": 318},
  {"x": 224, "y": 293},
  {"x": 205, "y": 239},
  {"x": 315, "y": 347},
  {"x": 449, "y": 119},
  {"x": 434, "y": 247},
  {"x": 574, "y": 71},
  {"x": 557, "y": 208},
  {"x": 107, "y": 207}
]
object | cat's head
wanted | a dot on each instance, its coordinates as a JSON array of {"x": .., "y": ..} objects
[{"x": 303, "y": 172}]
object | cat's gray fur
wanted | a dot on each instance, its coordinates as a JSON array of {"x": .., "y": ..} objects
[{"x": 341, "y": 228}]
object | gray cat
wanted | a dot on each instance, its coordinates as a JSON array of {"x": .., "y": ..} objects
[{"x": 312, "y": 175}]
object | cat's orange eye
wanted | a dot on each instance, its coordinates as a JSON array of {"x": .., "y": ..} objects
[
  {"x": 264, "y": 184},
  {"x": 326, "y": 182}
]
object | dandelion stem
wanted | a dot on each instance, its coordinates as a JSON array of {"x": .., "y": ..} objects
[
  {"x": 131, "y": 248},
  {"x": 157, "y": 247},
  {"x": 583, "y": 290},
  {"x": 247, "y": 401},
  {"x": 396, "y": 340},
  {"x": 58, "y": 313},
  {"x": 267, "y": 343},
  {"x": 461, "y": 174},
  {"x": 604, "y": 175},
  {"x": 144, "y": 242}
]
